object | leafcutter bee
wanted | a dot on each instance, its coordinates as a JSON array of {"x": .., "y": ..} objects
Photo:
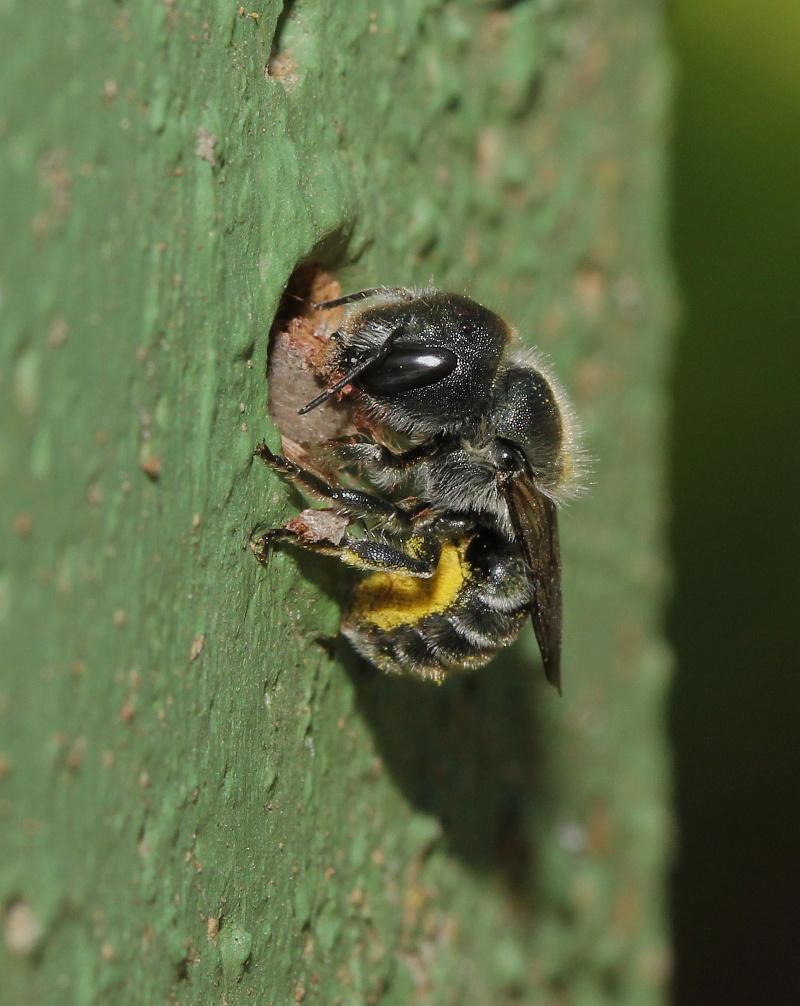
[{"x": 446, "y": 505}]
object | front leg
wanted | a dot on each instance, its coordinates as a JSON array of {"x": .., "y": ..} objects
[
  {"x": 354, "y": 501},
  {"x": 377, "y": 456},
  {"x": 322, "y": 531},
  {"x": 378, "y": 464}
]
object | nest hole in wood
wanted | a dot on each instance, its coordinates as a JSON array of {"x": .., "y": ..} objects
[{"x": 298, "y": 351}]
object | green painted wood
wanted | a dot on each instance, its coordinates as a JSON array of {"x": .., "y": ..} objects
[{"x": 197, "y": 803}]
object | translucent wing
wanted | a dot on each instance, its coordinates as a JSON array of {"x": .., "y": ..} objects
[{"x": 535, "y": 523}]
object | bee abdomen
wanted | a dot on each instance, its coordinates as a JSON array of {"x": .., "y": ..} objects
[
  {"x": 435, "y": 647},
  {"x": 464, "y": 637}
]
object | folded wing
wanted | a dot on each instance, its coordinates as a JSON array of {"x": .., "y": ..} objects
[{"x": 535, "y": 523}]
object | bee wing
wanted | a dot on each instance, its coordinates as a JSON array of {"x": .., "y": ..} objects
[{"x": 535, "y": 523}]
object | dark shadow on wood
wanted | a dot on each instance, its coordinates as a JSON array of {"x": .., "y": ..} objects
[{"x": 465, "y": 752}]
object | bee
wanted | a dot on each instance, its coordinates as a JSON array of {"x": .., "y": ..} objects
[{"x": 469, "y": 448}]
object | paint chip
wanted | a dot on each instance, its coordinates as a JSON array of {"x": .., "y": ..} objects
[
  {"x": 206, "y": 142},
  {"x": 151, "y": 465},
  {"x": 22, "y": 928},
  {"x": 198, "y": 644}
]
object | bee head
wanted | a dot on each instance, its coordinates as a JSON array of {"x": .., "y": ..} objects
[{"x": 432, "y": 358}]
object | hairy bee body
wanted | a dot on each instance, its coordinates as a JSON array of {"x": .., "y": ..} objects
[{"x": 455, "y": 482}]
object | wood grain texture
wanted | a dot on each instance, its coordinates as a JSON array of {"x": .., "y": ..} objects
[{"x": 197, "y": 803}]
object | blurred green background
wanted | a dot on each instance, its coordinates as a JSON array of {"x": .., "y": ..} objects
[{"x": 735, "y": 618}]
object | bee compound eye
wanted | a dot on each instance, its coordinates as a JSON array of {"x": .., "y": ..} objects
[
  {"x": 407, "y": 368},
  {"x": 508, "y": 458}
]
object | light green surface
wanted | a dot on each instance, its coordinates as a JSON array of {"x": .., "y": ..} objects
[{"x": 359, "y": 840}]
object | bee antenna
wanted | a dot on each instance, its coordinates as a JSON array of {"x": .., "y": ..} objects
[
  {"x": 347, "y": 379},
  {"x": 352, "y": 374},
  {"x": 349, "y": 298}
]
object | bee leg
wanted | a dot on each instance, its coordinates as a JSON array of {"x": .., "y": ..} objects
[
  {"x": 419, "y": 557},
  {"x": 376, "y": 456},
  {"x": 261, "y": 544},
  {"x": 361, "y": 504}
]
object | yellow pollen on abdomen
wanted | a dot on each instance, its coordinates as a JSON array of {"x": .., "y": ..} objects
[{"x": 389, "y": 600}]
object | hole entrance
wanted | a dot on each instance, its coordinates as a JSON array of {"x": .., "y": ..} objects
[{"x": 299, "y": 348}]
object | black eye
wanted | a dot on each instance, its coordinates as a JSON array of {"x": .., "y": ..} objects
[
  {"x": 508, "y": 458},
  {"x": 408, "y": 368}
]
